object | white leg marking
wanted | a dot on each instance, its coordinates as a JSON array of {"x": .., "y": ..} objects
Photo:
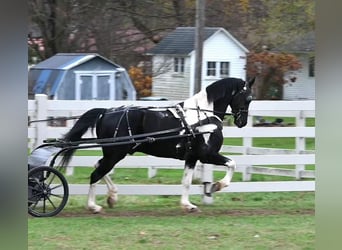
[
  {"x": 91, "y": 199},
  {"x": 225, "y": 181},
  {"x": 186, "y": 182},
  {"x": 91, "y": 205},
  {"x": 112, "y": 191}
]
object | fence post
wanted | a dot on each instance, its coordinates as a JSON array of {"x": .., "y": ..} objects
[
  {"x": 207, "y": 179},
  {"x": 247, "y": 144},
  {"x": 198, "y": 172},
  {"x": 41, "y": 114},
  {"x": 151, "y": 172},
  {"x": 300, "y": 143}
]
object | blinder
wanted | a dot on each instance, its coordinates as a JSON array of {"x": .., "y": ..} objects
[{"x": 237, "y": 113}]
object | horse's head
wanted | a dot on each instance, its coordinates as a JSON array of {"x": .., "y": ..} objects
[
  {"x": 233, "y": 92},
  {"x": 240, "y": 103}
]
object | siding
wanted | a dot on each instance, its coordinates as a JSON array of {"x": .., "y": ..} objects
[
  {"x": 304, "y": 86},
  {"x": 220, "y": 48},
  {"x": 168, "y": 84}
]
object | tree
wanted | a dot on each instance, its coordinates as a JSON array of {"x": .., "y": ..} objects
[
  {"x": 286, "y": 20},
  {"x": 53, "y": 23},
  {"x": 141, "y": 81},
  {"x": 270, "y": 68}
]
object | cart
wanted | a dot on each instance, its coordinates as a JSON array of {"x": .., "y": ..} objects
[{"x": 48, "y": 189}]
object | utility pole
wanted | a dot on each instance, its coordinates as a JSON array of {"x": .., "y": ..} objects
[{"x": 199, "y": 35}]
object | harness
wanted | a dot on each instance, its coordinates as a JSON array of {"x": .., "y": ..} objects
[{"x": 181, "y": 114}]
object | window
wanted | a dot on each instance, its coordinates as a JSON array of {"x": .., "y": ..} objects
[
  {"x": 178, "y": 64},
  {"x": 224, "y": 69},
  {"x": 312, "y": 66},
  {"x": 211, "y": 68},
  {"x": 219, "y": 69}
]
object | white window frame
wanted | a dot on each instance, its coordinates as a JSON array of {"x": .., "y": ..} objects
[
  {"x": 211, "y": 68},
  {"x": 221, "y": 69},
  {"x": 178, "y": 65},
  {"x": 216, "y": 68}
]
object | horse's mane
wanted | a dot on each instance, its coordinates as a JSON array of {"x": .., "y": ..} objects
[{"x": 222, "y": 88}]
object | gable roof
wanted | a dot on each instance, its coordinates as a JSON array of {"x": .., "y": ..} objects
[
  {"x": 304, "y": 43},
  {"x": 181, "y": 41},
  {"x": 65, "y": 61}
]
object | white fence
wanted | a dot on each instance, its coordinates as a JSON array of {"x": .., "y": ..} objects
[{"x": 250, "y": 160}]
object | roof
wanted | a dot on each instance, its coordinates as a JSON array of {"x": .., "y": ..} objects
[
  {"x": 304, "y": 43},
  {"x": 65, "y": 61},
  {"x": 181, "y": 41}
]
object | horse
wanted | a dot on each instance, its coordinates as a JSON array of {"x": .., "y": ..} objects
[{"x": 195, "y": 126}]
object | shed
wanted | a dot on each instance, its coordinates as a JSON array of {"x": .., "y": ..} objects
[
  {"x": 173, "y": 61},
  {"x": 80, "y": 76}
]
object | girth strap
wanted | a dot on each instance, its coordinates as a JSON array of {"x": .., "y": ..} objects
[{"x": 181, "y": 114}]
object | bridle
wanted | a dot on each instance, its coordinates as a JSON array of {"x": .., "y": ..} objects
[{"x": 237, "y": 114}]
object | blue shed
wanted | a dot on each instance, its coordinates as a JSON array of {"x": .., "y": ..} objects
[{"x": 80, "y": 76}]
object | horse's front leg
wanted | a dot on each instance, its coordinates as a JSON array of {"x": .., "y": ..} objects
[
  {"x": 225, "y": 181},
  {"x": 186, "y": 183}
]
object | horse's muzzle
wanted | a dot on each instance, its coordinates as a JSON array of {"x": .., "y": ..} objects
[{"x": 240, "y": 123}]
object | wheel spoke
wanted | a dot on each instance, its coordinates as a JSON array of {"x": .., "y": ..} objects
[
  {"x": 57, "y": 186},
  {"x": 51, "y": 202},
  {"x": 57, "y": 196}
]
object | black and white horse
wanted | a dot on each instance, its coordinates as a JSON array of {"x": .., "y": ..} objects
[{"x": 202, "y": 112}]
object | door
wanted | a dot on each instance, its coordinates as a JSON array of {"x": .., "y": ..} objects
[{"x": 98, "y": 85}]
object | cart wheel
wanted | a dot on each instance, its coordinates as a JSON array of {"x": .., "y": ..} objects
[{"x": 48, "y": 191}]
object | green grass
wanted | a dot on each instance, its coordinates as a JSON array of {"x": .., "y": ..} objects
[
  {"x": 176, "y": 232},
  {"x": 234, "y": 221}
]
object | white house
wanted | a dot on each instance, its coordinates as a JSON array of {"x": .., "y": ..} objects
[
  {"x": 304, "y": 85},
  {"x": 173, "y": 61}
]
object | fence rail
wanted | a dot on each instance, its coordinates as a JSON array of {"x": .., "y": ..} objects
[{"x": 250, "y": 160}]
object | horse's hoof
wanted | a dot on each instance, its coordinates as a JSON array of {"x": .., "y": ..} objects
[
  {"x": 215, "y": 187},
  {"x": 111, "y": 202},
  {"x": 191, "y": 209},
  {"x": 95, "y": 209},
  {"x": 194, "y": 210}
]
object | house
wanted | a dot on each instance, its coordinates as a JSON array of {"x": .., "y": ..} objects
[
  {"x": 80, "y": 76},
  {"x": 304, "y": 85},
  {"x": 173, "y": 61}
]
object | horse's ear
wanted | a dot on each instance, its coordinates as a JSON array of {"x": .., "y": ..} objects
[{"x": 251, "y": 82}]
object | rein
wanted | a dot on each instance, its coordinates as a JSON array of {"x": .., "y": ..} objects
[
  {"x": 55, "y": 119},
  {"x": 151, "y": 107}
]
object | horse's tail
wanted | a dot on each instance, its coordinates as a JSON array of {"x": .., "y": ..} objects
[{"x": 86, "y": 121}]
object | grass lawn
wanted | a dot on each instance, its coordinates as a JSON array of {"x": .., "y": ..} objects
[{"x": 234, "y": 221}]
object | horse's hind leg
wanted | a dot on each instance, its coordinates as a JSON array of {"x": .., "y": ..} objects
[
  {"x": 112, "y": 191},
  {"x": 102, "y": 167}
]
